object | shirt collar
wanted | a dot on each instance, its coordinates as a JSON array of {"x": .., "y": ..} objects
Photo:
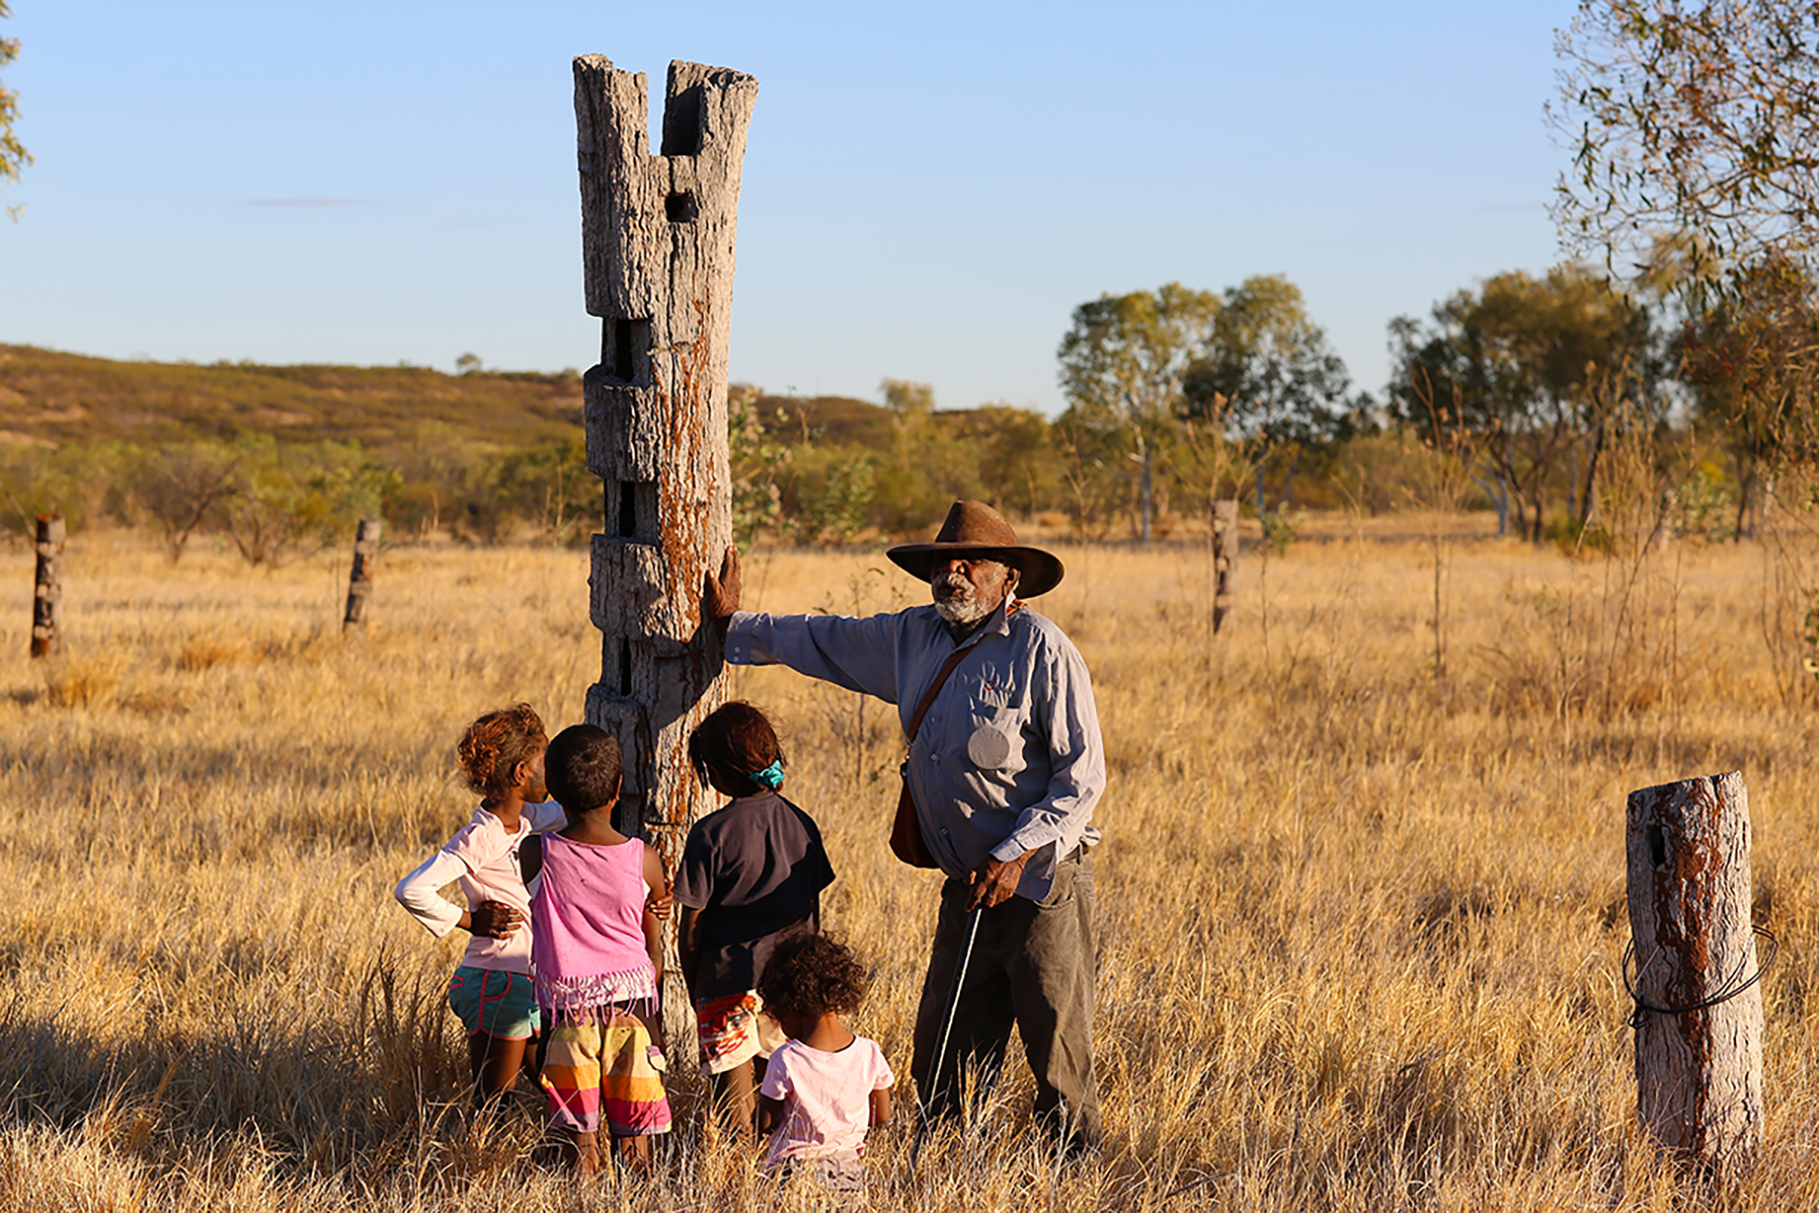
[{"x": 998, "y": 623}]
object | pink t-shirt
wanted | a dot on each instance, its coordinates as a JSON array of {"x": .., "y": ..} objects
[
  {"x": 827, "y": 1098},
  {"x": 489, "y": 859},
  {"x": 587, "y": 924}
]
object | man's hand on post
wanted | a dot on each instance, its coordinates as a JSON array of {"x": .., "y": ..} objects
[
  {"x": 723, "y": 592},
  {"x": 996, "y": 882}
]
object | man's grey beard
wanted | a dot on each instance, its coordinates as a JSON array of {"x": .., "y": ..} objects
[
  {"x": 962, "y": 610},
  {"x": 964, "y": 606}
]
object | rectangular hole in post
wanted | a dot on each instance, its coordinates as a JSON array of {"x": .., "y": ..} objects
[
  {"x": 622, "y": 350},
  {"x": 625, "y": 349},
  {"x": 682, "y": 123},
  {"x": 625, "y": 667},
  {"x": 628, "y": 510},
  {"x": 681, "y": 207}
]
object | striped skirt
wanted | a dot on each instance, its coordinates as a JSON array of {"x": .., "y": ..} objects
[{"x": 601, "y": 1071}]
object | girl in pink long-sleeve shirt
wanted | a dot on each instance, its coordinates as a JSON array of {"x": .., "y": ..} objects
[{"x": 502, "y": 756}]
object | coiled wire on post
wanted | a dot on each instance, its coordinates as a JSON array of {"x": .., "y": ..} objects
[{"x": 1732, "y": 986}]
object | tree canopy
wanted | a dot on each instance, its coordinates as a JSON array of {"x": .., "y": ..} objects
[
  {"x": 1535, "y": 366},
  {"x": 13, "y": 156},
  {"x": 1267, "y": 365},
  {"x": 1122, "y": 365},
  {"x": 1695, "y": 118}
]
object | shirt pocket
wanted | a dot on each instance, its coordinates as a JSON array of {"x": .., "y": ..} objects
[{"x": 990, "y": 738}]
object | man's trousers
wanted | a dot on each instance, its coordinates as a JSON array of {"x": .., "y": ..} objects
[{"x": 1032, "y": 965}]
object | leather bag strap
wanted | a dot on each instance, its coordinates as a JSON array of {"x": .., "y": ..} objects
[{"x": 934, "y": 688}]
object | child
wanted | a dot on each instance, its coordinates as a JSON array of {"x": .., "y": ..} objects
[
  {"x": 751, "y": 873},
  {"x": 502, "y": 756},
  {"x": 825, "y": 1087},
  {"x": 598, "y": 952}
]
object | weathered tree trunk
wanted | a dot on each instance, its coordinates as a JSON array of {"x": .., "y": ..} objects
[
  {"x": 1225, "y": 559},
  {"x": 48, "y": 596},
  {"x": 360, "y": 577},
  {"x": 1699, "y": 1017},
  {"x": 657, "y": 250}
]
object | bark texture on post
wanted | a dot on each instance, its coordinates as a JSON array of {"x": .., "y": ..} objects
[
  {"x": 657, "y": 250},
  {"x": 1698, "y": 1067},
  {"x": 360, "y": 577},
  {"x": 48, "y": 596},
  {"x": 1225, "y": 558}
]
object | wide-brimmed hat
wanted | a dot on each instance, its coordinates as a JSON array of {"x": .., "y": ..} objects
[{"x": 975, "y": 529}]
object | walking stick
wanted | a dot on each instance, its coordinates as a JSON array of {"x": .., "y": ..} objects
[{"x": 947, "y": 1028}]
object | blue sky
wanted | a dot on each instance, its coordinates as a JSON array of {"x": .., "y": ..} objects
[{"x": 929, "y": 190}]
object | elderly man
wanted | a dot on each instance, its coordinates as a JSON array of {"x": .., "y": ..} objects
[{"x": 1005, "y": 767}]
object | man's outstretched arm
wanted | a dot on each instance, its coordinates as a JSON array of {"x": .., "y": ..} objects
[{"x": 858, "y": 654}]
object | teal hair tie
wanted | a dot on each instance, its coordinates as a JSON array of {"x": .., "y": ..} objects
[{"x": 770, "y": 777}]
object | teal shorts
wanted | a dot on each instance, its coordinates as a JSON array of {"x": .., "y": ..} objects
[{"x": 495, "y": 1002}]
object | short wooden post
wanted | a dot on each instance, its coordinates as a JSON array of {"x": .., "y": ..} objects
[
  {"x": 1698, "y": 1019},
  {"x": 1225, "y": 558},
  {"x": 360, "y": 577},
  {"x": 49, "y": 594}
]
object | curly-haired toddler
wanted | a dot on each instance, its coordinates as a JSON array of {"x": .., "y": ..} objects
[{"x": 826, "y": 1086}]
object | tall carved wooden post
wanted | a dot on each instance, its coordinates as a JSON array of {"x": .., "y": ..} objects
[
  {"x": 1698, "y": 1013},
  {"x": 48, "y": 594},
  {"x": 657, "y": 247}
]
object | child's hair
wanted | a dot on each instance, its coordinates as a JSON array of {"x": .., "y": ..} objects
[
  {"x": 496, "y": 743},
  {"x": 584, "y": 768},
  {"x": 810, "y": 975},
  {"x": 736, "y": 742}
]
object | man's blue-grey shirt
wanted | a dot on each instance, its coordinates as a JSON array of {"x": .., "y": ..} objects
[{"x": 1009, "y": 757}]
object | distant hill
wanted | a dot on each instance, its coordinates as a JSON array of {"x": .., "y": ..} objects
[
  {"x": 47, "y": 397},
  {"x": 833, "y": 420},
  {"x": 52, "y": 398}
]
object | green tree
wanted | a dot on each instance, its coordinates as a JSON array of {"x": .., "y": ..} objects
[
  {"x": 1690, "y": 117},
  {"x": 1749, "y": 359},
  {"x": 13, "y": 156},
  {"x": 1122, "y": 366},
  {"x": 301, "y": 495},
  {"x": 1537, "y": 368},
  {"x": 1269, "y": 377},
  {"x": 757, "y": 460},
  {"x": 181, "y": 485}
]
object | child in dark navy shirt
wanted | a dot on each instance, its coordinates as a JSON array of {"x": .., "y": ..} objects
[{"x": 751, "y": 873}]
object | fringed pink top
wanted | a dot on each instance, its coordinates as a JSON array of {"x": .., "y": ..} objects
[{"x": 587, "y": 933}]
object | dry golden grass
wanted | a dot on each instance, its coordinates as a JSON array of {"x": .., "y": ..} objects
[{"x": 1359, "y": 929}]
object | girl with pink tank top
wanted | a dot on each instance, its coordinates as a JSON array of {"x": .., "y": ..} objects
[{"x": 597, "y": 956}]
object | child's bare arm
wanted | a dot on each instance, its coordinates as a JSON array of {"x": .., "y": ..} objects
[
  {"x": 688, "y": 945},
  {"x": 419, "y": 892},
  {"x": 653, "y": 942},
  {"x": 881, "y": 1107},
  {"x": 492, "y": 918},
  {"x": 659, "y": 901},
  {"x": 770, "y": 1114}
]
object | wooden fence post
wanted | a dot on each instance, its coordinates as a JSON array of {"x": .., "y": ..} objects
[
  {"x": 48, "y": 596},
  {"x": 657, "y": 236},
  {"x": 360, "y": 577},
  {"x": 1225, "y": 558},
  {"x": 1698, "y": 1017}
]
